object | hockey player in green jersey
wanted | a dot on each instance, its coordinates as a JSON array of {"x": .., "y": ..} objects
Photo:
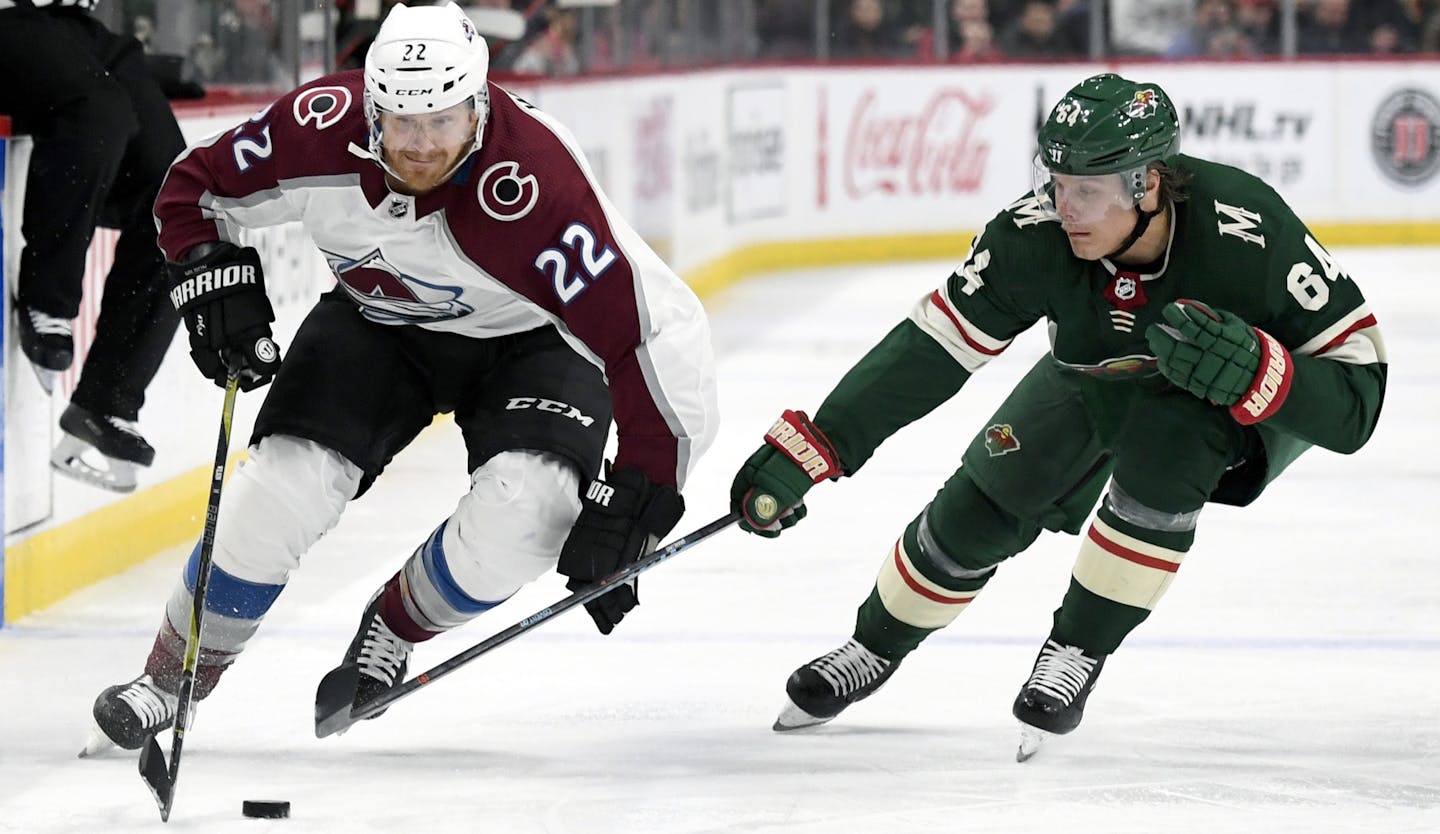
[{"x": 1201, "y": 339}]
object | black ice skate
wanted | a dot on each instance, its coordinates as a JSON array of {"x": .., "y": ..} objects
[
  {"x": 100, "y": 450},
  {"x": 128, "y": 714},
  {"x": 1052, "y": 701},
  {"x": 46, "y": 342},
  {"x": 822, "y": 688},
  {"x": 375, "y": 662}
]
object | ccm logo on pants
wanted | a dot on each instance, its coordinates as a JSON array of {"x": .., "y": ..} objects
[{"x": 552, "y": 406}]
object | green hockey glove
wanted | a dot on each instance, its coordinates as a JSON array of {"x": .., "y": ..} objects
[
  {"x": 1217, "y": 356},
  {"x": 769, "y": 490}
]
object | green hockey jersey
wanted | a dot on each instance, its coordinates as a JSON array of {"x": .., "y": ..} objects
[{"x": 1234, "y": 244}]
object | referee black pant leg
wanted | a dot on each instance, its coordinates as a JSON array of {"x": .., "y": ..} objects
[{"x": 137, "y": 322}]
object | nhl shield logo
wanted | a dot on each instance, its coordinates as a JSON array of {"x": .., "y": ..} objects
[{"x": 1000, "y": 440}]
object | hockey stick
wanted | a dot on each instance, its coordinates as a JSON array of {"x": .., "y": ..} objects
[
  {"x": 334, "y": 709},
  {"x": 153, "y": 769}
]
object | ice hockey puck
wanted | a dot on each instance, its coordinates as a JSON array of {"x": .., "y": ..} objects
[{"x": 265, "y": 809}]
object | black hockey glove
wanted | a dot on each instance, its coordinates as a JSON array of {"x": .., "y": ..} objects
[
  {"x": 622, "y": 517},
  {"x": 221, "y": 296}
]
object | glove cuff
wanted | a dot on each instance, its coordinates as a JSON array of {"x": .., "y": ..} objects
[
  {"x": 799, "y": 440},
  {"x": 663, "y": 511},
  {"x": 1271, "y": 385}
]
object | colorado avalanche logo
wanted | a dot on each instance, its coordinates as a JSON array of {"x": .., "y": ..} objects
[
  {"x": 322, "y": 105},
  {"x": 388, "y": 296},
  {"x": 504, "y": 194}
]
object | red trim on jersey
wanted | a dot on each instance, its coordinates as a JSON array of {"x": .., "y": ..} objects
[
  {"x": 915, "y": 586},
  {"x": 1116, "y": 549},
  {"x": 939, "y": 301},
  {"x": 1368, "y": 321}
]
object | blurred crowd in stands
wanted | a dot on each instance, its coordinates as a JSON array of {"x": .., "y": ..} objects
[
  {"x": 240, "y": 40},
  {"x": 1059, "y": 29}
]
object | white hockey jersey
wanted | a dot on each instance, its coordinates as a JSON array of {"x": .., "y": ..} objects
[{"x": 519, "y": 238}]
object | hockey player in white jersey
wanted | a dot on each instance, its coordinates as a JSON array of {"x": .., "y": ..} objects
[{"x": 479, "y": 271}]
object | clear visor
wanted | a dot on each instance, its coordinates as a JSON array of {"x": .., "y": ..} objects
[
  {"x": 449, "y": 128},
  {"x": 1078, "y": 199}
]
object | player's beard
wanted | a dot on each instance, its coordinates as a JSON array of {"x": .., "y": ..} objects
[{"x": 421, "y": 173}]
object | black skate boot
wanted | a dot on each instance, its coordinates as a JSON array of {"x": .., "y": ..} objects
[
  {"x": 824, "y": 687},
  {"x": 129, "y": 713},
  {"x": 101, "y": 450},
  {"x": 381, "y": 656},
  {"x": 46, "y": 342},
  {"x": 1052, "y": 701}
]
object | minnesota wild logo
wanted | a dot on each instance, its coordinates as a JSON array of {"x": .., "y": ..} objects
[{"x": 1000, "y": 440}]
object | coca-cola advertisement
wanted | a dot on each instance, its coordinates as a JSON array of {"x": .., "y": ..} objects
[
  {"x": 888, "y": 147},
  {"x": 757, "y": 151}
]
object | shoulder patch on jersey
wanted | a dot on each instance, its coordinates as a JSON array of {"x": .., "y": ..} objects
[
  {"x": 1028, "y": 211},
  {"x": 1000, "y": 440},
  {"x": 506, "y": 195},
  {"x": 322, "y": 105},
  {"x": 1243, "y": 223}
]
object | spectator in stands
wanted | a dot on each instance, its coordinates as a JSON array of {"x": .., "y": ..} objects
[
  {"x": 963, "y": 12},
  {"x": 785, "y": 29},
  {"x": 1427, "y": 14},
  {"x": 865, "y": 31},
  {"x": 1258, "y": 21},
  {"x": 1072, "y": 18},
  {"x": 1034, "y": 34},
  {"x": 104, "y": 136},
  {"x": 972, "y": 37},
  {"x": 1326, "y": 28},
  {"x": 977, "y": 42},
  {"x": 1209, "y": 18},
  {"x": 1390, "y": 26},
  {"x": 556, "y": 51}
]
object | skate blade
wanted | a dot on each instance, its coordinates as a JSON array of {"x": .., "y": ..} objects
[
  {"x": 70, "y": 458},
  {"x": 96, "y": 742},
  {"x": 793, "y": 718},
  {"x": 46, "y": 378},
  {"x": 1031, "y": 740}
]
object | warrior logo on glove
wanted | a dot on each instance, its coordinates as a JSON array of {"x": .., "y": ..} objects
[{"x": 221, "y": 295}]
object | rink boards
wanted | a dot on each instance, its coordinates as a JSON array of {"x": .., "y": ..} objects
[{"x": 730, "y": 174}]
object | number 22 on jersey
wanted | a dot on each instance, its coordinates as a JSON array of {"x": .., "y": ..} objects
[{"x": 578, "y": 242}]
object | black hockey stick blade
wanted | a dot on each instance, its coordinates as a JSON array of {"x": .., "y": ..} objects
[
  {"x": 337, "y": 711},
  {"x": 157, "y": 775},
  {"x": 334, "y": 698}
]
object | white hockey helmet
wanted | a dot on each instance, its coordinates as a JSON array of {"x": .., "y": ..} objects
[{"x": 423, "y": 60}]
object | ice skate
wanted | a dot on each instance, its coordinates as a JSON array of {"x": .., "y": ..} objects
[
  {"x": 100, "y": 450},
  {"x": 824, "y": 687},
  {"x": 1052, "y": 701},
  {"x": 377, "y": 659},
  {"x": 46, "y": 342},
  {"x": 127, "y": 714}
]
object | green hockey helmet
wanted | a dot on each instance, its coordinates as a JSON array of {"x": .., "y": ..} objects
[{"x": 1107, "y": 125}]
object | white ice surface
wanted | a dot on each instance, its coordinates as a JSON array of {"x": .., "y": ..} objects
[{"x": 1287, "y": 682}]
